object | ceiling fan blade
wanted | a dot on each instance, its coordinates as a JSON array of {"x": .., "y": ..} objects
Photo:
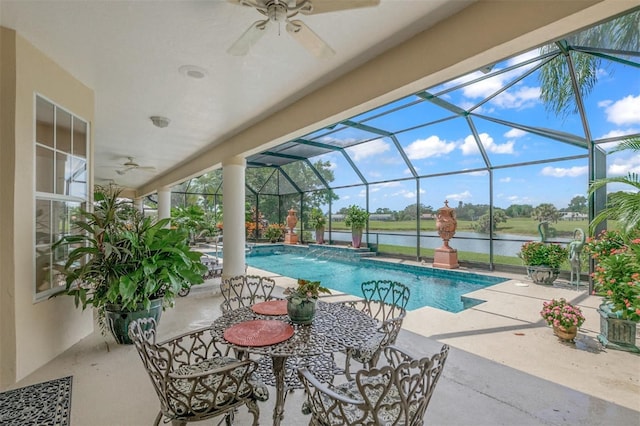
[
  {"x": 324, "y": 6},
  {"x": 309, "y": 40},
  {"x": 248, "y": 38}
]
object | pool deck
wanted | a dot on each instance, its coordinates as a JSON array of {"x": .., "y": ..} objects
[{"x": 505, "y": 368}]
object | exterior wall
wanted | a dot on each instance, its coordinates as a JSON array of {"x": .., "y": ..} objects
[
  {"x": 41, "y": 330},
  {"x": 7, "y": 170}
]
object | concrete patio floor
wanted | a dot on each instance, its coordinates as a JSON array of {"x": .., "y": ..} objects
[{"x": 505, "y": 368}]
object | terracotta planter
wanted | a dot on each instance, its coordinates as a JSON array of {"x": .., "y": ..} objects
[
  {"x": 543, "y": 275},
  {"x": 567, "y": 334},
  {"x": 303, "y": 312}
]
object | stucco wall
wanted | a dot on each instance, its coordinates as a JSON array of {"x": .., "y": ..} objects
[{"x": 45, "y": 329}]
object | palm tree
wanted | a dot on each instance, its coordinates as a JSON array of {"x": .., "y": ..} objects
[
  {"x": 556, "y": 86},
  {"x": 622, "y": 205}
]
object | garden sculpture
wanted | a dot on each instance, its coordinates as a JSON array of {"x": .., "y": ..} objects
[{"x": 575, "y": 248}]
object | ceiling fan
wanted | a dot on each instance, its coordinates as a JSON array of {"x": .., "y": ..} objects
[
  {"x": 132, "y": 165},
  {"x": 281, "y": 12}
]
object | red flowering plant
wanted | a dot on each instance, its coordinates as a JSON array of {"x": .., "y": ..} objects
[
  {"x": 616, "y": 276},
  {"x": 560, "y": 313}
]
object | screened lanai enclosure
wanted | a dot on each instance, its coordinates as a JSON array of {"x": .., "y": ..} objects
[{"x": 512, "y": 147}]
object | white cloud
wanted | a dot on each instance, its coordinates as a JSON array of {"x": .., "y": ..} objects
[
  {"x": 623, "y": 166},
  {"x": 407, "y": 194},
  {"x": 605, "y": 103},
  {"x": 470, "y": 147},
  {"x": 478, "y": 173},
  {"x": 460, "y": 196},
  {"x": 521, "y": 98},
  {"x": 564, "y": 172},
  {"x": 505, "y": 180},
  {"x": 514, "y": 133},
  {"x": 616, "y": 133},
  {"x": 624, "y": 111},
  {"x": 368, "y": 149},
  {"x": 432, "y": 146}
]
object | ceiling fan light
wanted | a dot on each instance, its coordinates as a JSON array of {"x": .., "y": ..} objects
[{"x": 159, "y": 121}]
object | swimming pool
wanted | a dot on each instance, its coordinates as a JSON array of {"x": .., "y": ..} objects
[{"x": 441, "y": 289}]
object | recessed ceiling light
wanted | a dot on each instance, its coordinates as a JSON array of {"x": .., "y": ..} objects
[{"x": 193, "y": 71}]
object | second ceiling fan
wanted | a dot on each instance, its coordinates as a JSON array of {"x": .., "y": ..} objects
[{"x": 281, "y": 12}]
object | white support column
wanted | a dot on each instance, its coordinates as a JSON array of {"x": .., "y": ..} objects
[
  {"x": 138, "y": 204},
  {"x": 233, "y": 199},
  {"x": 164, "y": 202}
]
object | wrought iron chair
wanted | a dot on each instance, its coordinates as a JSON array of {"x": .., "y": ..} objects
[
  {"x": 191, "y": 377},
  {"x": 245, "y": 290},
  {"x": 385, "y": 301},
  {"x": 395, "y": 394}
]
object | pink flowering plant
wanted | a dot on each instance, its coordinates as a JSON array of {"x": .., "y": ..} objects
[
  {"x": 616, "y": 276},
  {"x": 560, "y": 313},
  {"x": 306, "y": 291}
]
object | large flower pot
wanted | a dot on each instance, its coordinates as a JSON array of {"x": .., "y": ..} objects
[
  {"x": 118, "y": 320},
  {"x": 301, "y": 311},
  {"x": 356, "y": 237},
  {"x": 615, "y": 332},
  {"x": 543, "y": 275},
  {"x": 320, "y": 235}
]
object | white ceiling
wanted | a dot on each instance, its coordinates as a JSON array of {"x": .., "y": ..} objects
[{"x": 130, "y": 52}]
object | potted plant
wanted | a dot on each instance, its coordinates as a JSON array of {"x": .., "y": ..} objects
[
  {"x": 616, "y": 277},
  {"x": 301, "y": 301},
  {"x": 543, "y": 260},
  {"x": 317, "y": 221},
  {"x": 356, "y": 218},
  {"x": 274, "y": 232},
  {"x": 124, "y": 265},
  {"x": 563, "y": 317}
]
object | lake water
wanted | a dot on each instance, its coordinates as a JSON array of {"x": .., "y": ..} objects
[{"x": 507, "y": 245}]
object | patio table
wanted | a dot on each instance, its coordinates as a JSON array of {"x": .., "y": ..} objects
[{"x": 335, "y": 328}]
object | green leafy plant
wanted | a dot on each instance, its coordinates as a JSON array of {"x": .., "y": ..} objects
[
  {"x": 356, "y": 217},
  {"x": 306, "y": 290},
  {"x": 560, "y": 313},
  {"x": 317, "y": 218},
  {"x": 616, "y": 276},
  {"x": 536, "y": 253},
  {"x": 274, "y": 232},
  {"x": 119, "y": 257}
]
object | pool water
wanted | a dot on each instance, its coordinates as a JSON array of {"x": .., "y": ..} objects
[{"x": 441, "y": 289}]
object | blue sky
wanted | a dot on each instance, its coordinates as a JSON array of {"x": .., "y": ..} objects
[{"x": 613, "y": 110}]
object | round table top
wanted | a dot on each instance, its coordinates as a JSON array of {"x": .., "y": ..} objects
[{"x": 335, "y": 328}]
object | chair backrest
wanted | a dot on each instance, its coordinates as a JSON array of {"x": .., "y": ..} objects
[
  {"x": 406, "y": 383},
  {"x": 156, "y": 360},
  {"x": 387, "y": 291},
  {"x": 245, "y": 290}
]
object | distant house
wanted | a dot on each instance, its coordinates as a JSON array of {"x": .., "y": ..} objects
[
  {"x": 574, "y": 216},
  {"x": 428, "y": 216}
]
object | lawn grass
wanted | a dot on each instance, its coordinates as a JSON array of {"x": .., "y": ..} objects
[
  {"x": 517, "y": 226},
  {"x": 462, "y": 255}
]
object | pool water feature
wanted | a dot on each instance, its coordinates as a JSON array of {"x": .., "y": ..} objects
[{"x": 441, "y": 289}]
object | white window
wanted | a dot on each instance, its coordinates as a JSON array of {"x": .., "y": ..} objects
[{"x": 61, "y": 176}]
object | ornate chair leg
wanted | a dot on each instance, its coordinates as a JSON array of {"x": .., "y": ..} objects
[
  {"x": 252, "y": 406},
  {"x": 158, "y": 418},
  {"x": 347, "y": 365}
]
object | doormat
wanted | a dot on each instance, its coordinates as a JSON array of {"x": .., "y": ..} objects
[{"x": 46, "y": 403}]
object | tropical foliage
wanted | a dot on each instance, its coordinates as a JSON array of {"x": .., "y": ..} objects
[
  {"x": 120, "y": 257},
  {"x": 306, "y": 290},
  {"x": 356, "y": 217},
  {"x": 537, "y": 253},
  {"x": 622, "y": 206},
  {"x": 617, "y": 272}
]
